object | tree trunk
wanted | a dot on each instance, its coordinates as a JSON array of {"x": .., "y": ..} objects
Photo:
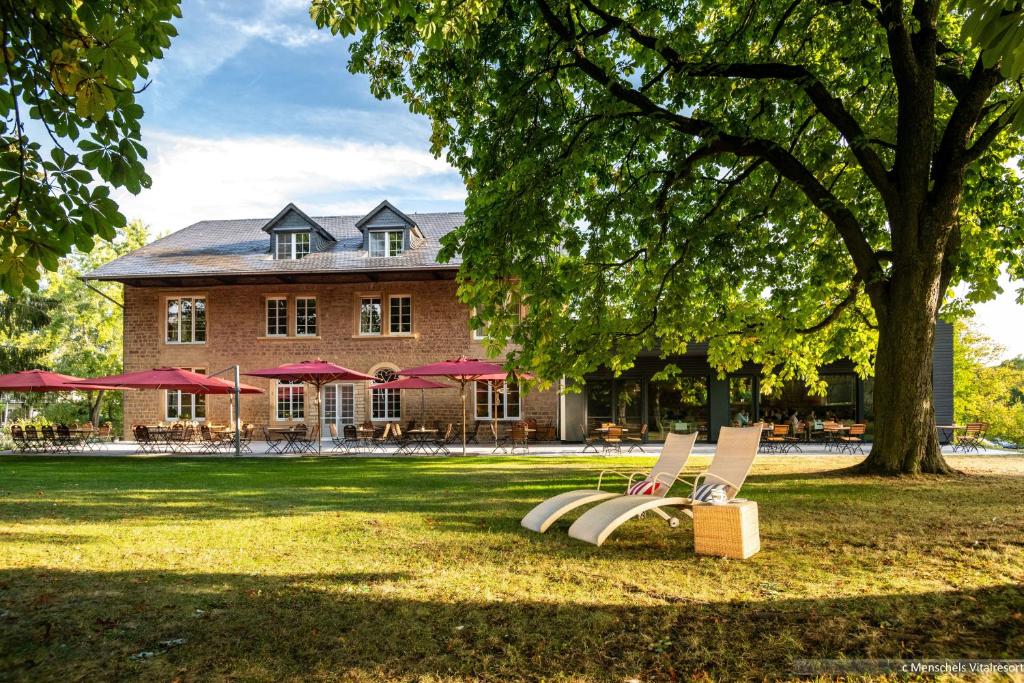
[
  {"x": 905, "y": 441},
  {"x": 94, "y": 409}
]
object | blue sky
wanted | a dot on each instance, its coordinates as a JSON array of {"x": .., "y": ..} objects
[{"x": 253, "y": 108}]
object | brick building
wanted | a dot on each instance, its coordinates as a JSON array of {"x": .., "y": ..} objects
[{"x": 365, "y": 292}]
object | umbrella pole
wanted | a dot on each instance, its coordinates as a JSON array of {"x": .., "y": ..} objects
[
  {"x": 238, "y": 416},
  {"x": 423, "y": 399},
  {"x": 319, "y": 421},
  {"x": 494, "y": 412},
  {"x": 463, "y": 384}
]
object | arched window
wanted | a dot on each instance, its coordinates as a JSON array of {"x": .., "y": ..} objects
[{"x": 385, "y": 404}]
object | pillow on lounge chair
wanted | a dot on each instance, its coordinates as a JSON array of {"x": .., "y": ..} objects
[
  {"x": 703, "y": 492},
  {"x": 643, "y": 488}
]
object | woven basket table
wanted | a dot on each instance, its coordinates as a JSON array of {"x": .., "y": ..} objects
[{"x": 729, "y": 530}]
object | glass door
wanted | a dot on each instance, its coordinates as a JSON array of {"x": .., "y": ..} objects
[{"x": 339, "y": 407}]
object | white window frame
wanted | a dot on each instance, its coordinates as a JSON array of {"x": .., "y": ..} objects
[
  {"x": 391, "y": 321},
  {"x": 382, "y": 247},
  {"x": 195, "y": 400},
  {"x": 380, "y": 317},
  {"x": 206, "y": 321},
  {"x": 389, "y": 398},
  {"x": 294, "y": 389},
  {"x": 339, "y": 404},
  {"x": 304, "y": 332},
  {"x": 278, "y": 316},
  {"x": 502, "y": 402},
  {"x": 291, "y": 240}
]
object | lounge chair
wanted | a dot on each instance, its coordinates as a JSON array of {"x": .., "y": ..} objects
[
  {"x": 670, "y": 463},
  {"x": 734, "y": 456}
]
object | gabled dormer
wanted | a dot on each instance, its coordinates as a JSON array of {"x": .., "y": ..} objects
[
  {"x": 387, "y": 232},
  {"x": 293, "y": 234}
]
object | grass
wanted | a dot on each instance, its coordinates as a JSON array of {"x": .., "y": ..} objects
[{"x": 417, "y": 569}]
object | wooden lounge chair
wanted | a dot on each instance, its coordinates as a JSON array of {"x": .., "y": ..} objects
[
  {"x": 734, "y": 456},
  {"x": 670, "y": 463}
]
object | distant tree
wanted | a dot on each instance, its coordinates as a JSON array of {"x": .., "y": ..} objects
[
  {"x": 985, "y": 389},
  {"x": 69, "y": 123},
  {"x": 789, "y": 181},
  {"x": 81, "y": 333}
]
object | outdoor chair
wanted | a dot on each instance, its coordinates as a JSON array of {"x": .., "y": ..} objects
[
  {"x": 65, "y": 441},
  {"x": 656, "y": 482},
  {"x": 612, "y": 439},
  {"x": 380, "y": 442},
  {"x": 499, "y": 439},
  {"x": 589, "y": 440},
  {"x": 308, "y": 442},
  {"x": 545, "y": 432},
  {"x": 274, "y": 444},
  {"x": 531, "y": 424},
  {"x": 400, "y": 439},
  {"x": 245, "y": 440},
  {"x": 519, "y": 438},
  {"x": 339, "y": 444},
  {"x": 637, "y": 441},
  {"x": 778, "y": 440},
  {"x": 971, "y": 439},
  {"x": 38, "y": 441},
  {"x": 49, "y": 440},
  {"x": 734, "y": 456},
  {"x": 447, "y": 436},
  {"x": 209, "y": 440},
  {"x": 20, "y": 442},
  {"x": 853, "y": 441}
]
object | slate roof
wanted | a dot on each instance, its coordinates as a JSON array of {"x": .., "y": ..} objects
[{"x": 240, "y": 247}]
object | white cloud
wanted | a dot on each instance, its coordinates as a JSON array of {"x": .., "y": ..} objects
[{"x": 249, "y": 177}]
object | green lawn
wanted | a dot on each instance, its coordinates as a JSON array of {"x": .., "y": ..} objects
[{"x": 417, "y": 569}]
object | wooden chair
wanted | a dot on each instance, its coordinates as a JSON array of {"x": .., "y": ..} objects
[
  {"x": 638, "y": 440},
  {"x": 519, "y": 438},
  {"x": 380, "y": 442},
  {"x": 779, "y": 440},
  {"x": 589, "y": 440},
  {"x": 499, "y": 439},
  {"x": 972, "y": 437},
  {"x": 612, "y": 439},
  {"x": 447, "y": 435},
  {"x": 853, "y": 441},
  {"x": 275, "y": 444}
]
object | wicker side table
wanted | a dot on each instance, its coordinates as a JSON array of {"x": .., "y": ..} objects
[{"x": 726, "y": 530}]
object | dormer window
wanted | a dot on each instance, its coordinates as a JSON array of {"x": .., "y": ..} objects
[
  {"x": 291, "y": 245},
  {"x": 387, "y": 242}
]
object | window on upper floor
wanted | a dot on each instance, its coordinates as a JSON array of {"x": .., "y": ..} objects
[
  {"x": 400, "y": 312},
  {"x": 277, "y": 317},
  {"x": 186, "y": 320},
  {"x": 387, "y": 242},
  {"x": 305, "y": 316},
  {"x": 291, "y": 245},
  {"x": 370, "y": 315}
]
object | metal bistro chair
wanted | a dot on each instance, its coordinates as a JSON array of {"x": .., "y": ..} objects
[
  {"x": 308, "y": 442},
  {"x": 779, "y": 440},
  {"x": 441, "y": 442},
  {"x": 637, "y": 441},
  {"x": 499, "y": 439},
  {"x": 20, "y": 442},
  {"x": 589, "y": 440},
  {"x": 519, "y": 437},
  {"x": 338, "y": 443},
  {"x": 380, "y": 442},
  {"x": 49, "y": 440},
  {"x": 274, "y": 445}
]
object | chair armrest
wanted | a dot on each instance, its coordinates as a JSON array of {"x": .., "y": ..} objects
[
  {"x": 627, "y": 477},
  {"x": 711, "y": 474}
]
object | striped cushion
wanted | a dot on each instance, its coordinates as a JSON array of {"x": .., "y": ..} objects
[
  {"x": 643, "y": 488},
  {"x": 703, "y": 491}
]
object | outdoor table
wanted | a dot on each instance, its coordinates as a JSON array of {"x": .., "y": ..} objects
[
  {"x": 421, "y": 440},
  {"x": 832, "y": 434},
  {"x": 947, "y": 432},
  {"x": 291, "y": 435}
]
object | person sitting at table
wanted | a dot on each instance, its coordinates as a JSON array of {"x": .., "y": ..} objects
[{"x": 742, "y": 418}]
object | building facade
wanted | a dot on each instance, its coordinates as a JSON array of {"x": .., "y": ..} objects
[
  {"x": 369, "y": 293},
  {"x": 364, "y": 292}
]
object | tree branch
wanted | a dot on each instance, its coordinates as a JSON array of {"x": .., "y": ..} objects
[{"x": 784, "y": 162}]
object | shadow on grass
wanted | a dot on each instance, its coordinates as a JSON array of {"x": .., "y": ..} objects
[{"x": 63, "y": 624}]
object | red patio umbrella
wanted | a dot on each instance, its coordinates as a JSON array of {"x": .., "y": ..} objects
[
  {"x": 37, "y": 381},
  {"x": 413, "y": 383},
  {"x": 171, "y": 379},
  {"x": 316, "y": 372},
  {"x": 461, "y": 370}
]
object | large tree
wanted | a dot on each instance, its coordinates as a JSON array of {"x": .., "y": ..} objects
[
  {"x": 791, "y": 181},
  {"x": 70, "y": 123}
]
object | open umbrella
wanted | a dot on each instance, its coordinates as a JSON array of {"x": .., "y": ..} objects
[
  {"x": 413, "y": 383},
  {"x": 36, "y": 381},
  {"x": 177, "y": 379},
  {"x": 316, "y": 372},
  {"x": 461, "y": 370},
  {"x": 39, "y": 381}
]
